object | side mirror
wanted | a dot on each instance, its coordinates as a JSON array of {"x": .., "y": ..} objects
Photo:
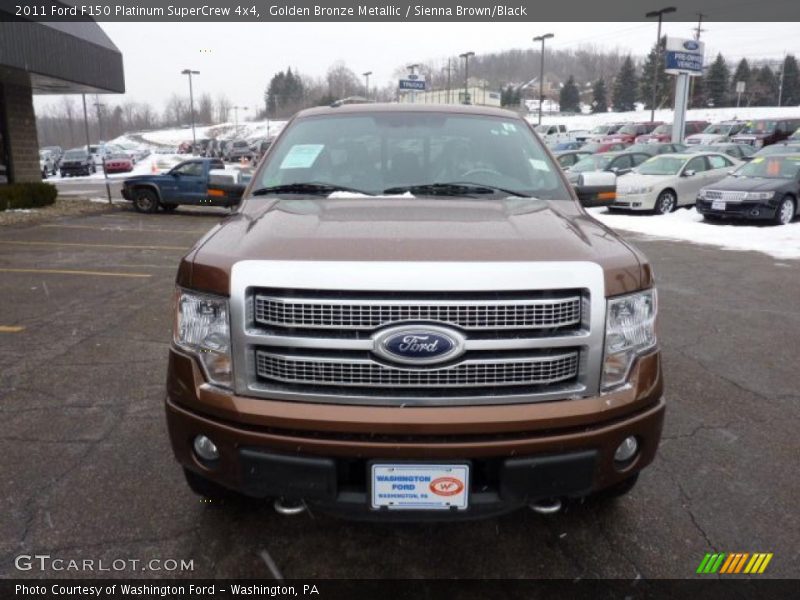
[{"x": 689, "y": 173}]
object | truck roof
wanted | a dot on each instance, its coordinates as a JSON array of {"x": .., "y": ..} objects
[{"x": 397, "y": 108}]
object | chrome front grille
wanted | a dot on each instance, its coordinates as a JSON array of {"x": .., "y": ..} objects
[
  {"x": 368, "y": 314},
  {"x": 727, "y": 196},
  {"x": 324, "y": 371}
]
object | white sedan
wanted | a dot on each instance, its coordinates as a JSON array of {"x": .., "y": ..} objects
[{"x": 667, "y": 181}]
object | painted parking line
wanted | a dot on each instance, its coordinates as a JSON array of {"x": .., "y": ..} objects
[
  {"x": 77, "y": 245},
  {"x": 76, "y": 272},
  {"x": 11, "y": 328},
  {"x": 120, "y": 228}
]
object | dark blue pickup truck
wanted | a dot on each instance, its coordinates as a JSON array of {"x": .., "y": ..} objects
[{"x": 189, "y": 182}]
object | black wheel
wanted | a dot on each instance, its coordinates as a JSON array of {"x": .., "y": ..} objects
[
  {"x": 666, "y": 202},
  {"x": 145, "y": 201},
  {"x": 169, "y": 207},
  {"x": 786, "y": 211}
]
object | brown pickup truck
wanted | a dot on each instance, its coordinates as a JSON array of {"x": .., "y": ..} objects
[{"x": 410, "y": 316}]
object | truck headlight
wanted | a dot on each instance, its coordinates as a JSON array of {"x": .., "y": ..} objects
[
  {"x": 759, "y": 195},
  {"x": 630, "y": 332},
  {"x": 202, "y": 329}
]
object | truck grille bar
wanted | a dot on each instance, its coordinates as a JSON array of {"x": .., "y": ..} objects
[{"x": 278, "y": 311}]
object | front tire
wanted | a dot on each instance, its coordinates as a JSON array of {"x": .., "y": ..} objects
[
  {"x": 145, "y": 201},
  {"x": 667, "y": 202},
  {"x": 786, "y": 211}
]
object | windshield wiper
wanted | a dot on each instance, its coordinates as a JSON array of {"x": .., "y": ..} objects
[
  {"x": 310, "y": 188},
  {"x": 451, "y": 189}
]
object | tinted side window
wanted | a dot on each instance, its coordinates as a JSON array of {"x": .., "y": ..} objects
[
  {"x": 719, "y": 162},
  {"x": 639, "y": 159},
  {"x": 697, "y": 164},
  {"x": 622, "y": 162}
]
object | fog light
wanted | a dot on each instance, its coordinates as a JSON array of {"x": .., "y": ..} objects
[
  {"x": 206, "y": 449},
  {"x": 626, "y": 450}
]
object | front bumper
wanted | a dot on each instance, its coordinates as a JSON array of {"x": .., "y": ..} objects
[
  {"x": 518, "y": 453},
  {"x": 756, "y": 209},
  {"x": 634, "y": 201}
]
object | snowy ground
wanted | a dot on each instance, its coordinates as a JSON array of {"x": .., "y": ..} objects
[
  {"x": 247, "y": 130},
  {"x": 781, "y": 242}
]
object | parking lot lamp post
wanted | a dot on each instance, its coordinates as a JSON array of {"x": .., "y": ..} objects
[
  {"x": 542, "y": 38},
  {"x": 366, "y": 83},
  {"x": 466, "y": 56},
  {"x": 656, "y": 63},
  {"x": 189, "y": 72}
]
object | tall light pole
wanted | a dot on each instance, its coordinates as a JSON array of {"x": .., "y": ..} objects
[
  {"x": 466, "y": 56},
  {"x": 189, "y": 72},
  {"x": 236, "y": 116},
  {"x": 542, "y": 38},
  {"x": 366, "y": 83},
  {"x": 656, "y": 63}
]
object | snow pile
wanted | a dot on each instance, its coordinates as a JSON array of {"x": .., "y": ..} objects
[
  {"x": 687, "y": 225},
  {"x": 248, "y": 130}
]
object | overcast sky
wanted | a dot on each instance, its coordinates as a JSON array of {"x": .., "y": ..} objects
[{"x": 239, "y": 58}]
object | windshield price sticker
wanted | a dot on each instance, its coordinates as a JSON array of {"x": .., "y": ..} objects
[
  {"x": 420, "y": 487},
  {"x": 301, "y": 156}
]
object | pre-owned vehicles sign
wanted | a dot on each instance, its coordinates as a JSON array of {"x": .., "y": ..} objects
[{"x": 684, "y": 56}]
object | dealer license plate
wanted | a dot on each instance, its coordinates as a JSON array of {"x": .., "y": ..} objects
[
  {"x": 717, "y": 205},
  {"x": 419, "y": 486}
]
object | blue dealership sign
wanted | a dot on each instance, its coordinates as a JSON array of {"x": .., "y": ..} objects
[
  {"x": 684, "y": 56},
  {"x": 416, "y": 84}
]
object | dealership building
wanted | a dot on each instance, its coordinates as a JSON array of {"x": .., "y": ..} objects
[{"x": 46, "y": 58}]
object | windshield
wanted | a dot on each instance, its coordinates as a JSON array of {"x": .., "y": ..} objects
[
  {"x": 380, "y": 151},
  {"x": 718, "y": 129},
  {"x": 761, "y": 127},
  {"x": 773, "y": 167},
  {"x": 661, "y": 165},
  {"x": 629, "y": 130},
  {"x": 75, "y": 154},
  {"x": 602, "y": 129},
  {"x": 662, "y": 129},
  {"x": 592, "y": 163},
  {"x": 239, "y": 144}
]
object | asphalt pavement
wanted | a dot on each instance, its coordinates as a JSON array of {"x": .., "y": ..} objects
[{"x": 88, "y": 473}]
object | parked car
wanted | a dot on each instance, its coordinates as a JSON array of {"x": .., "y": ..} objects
[
  {"x": 260, "y": 147},
  {"x": 185, "y": 148},
  {"x": 238, "y": 150},
  {"x": 569, "y": 157},
  {"x": 222, "y": 147},
  {"x": 764, "y": 132},
  {"x": 56, "y": 152},
  {"x": 663, "y": 133},
  {"x": 628, "y": 133},
  {"x": 742, "y": 152},
  {"x": 795, "y": 137},
  {"x": 47, "y": 164},
  {"x": 211, "y": 148},
  {"x": 599, "y": 132},
  {"x": 551, "y": 134},
  {"x": 613, "y": 162},
  {"x": 455, "y": 352},
  {"x": 667, "y": 181},
  {"x": 765, "y": 188},
  {"x": 77, "y": 161},
  {"x": 200, "y": 147},
  {"x": 118, "y": 163},
  {"x": 186, "y": 183},
  {"x": 786, "y": 147},
  {"x": 654, "y": 148},
  {"x": 716, "y": 132},
  {"x": 562, "y": 146},
  {"x": 596, "y": 147}
]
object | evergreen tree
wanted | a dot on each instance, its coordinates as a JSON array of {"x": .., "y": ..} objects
[
  {"x": 625, "y": 87},
  {"x": 284, "y": 94},
  {"x": 655, "y": 61},
  {"x": 742, "y": 74},
  {"x": 717, "y": 82},
  {"x": 791, "y": 82},
  {"x": 599, "y": 102},
  {"x": 699, "y": 94},
  {"x": 570, "y": 97},
  {"x": 765, "y": 87}
]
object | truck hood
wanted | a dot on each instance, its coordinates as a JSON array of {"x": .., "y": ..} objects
[{"x": 412, "y": 229}]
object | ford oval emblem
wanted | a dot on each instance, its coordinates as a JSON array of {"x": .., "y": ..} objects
[
  {"x": 691, "y": 45},
  {"x": 418, "y": 345}
]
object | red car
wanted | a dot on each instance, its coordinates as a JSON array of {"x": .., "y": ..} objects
[
  {"x": 629, "y": 133},
  {"x": 598, "y": 147},
  {"x": 118, "y": 163},
  {"x": 663, "y": 133}
]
